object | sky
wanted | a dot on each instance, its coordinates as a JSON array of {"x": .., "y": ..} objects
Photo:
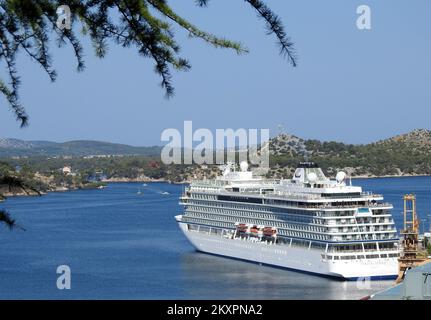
[{"x": 351, "y": 85}]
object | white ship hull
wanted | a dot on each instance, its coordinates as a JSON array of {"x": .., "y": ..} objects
[{"x": 295, "y": 258}]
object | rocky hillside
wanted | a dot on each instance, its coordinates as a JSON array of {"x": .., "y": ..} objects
[
  {"x": 419, "y": 139},
  {"x": 287, "y": 144},
  {"x": 406, "y": 154}
]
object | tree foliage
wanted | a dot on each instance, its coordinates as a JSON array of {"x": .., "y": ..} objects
[
  {"x": 10, "y": 182},
  {"x": 390, "y": 157},
  {"x": 145, "y": 25}
]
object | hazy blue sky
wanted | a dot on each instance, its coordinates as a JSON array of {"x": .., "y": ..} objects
[{"x": 350, "y": 85}]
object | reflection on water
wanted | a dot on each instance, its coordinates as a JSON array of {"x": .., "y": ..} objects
[{"x": 212, "y": 277}]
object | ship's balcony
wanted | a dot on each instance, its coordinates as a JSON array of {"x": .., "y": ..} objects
[
  {"x": 337, "y": 216},
  {"x": 364, "y": 236},
  {"x": 354, "y": 223},
  {"x": 361, "y": 229}
]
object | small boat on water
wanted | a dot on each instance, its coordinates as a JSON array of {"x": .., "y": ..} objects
[
  {"x": 144, "y": 185},
  {"x": 139, "y": 192}
]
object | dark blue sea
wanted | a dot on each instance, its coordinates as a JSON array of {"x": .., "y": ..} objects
[{"x": 122, "y": 245}]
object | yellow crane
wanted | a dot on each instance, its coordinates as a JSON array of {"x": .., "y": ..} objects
[{"x": 411, "y": 255}]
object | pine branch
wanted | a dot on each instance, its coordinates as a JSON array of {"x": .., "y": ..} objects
[
  {"x": 275, "y": 26},
  {"x": 217, "y": 42},
  {"x": 25, "y": 25},
  {"x": 15, "y": 184}
]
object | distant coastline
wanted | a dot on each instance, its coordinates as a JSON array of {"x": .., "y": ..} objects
[
  {"x": 147, "y": 180},
  {"x": 391, "y": 176},
  {"x": 130, "y": 180},
  {"x": 137, "y": 180},
  {"x": 57, "y": 189},
  {"x": 116, "y": 180},
  {"x": 85, "y": 164}
]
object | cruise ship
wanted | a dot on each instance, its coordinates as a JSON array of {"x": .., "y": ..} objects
[{"x": 309, "y": 223}]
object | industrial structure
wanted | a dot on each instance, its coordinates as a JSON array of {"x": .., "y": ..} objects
[{"x": 412, "y": 255}]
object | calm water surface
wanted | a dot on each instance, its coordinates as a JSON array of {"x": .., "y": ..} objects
[{"x": 121, "y": 245}]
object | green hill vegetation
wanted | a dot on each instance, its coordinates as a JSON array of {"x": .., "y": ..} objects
[
  {"x": 407, "y": 154},
  {"x": 21, "y": 148}
]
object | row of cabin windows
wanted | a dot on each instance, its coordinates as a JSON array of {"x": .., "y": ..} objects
[
  {"x": 300, "y": 204},
  {"x": 294, "y": 229},
  {"x": 204, "y": 196},
  {"x": 369, "y": 236},
  {"x": 269, "y": 215},
  {"x": 363, "y": 229},
  {"x": 292, "y": 233},
  {"x": 289, "y": 211},
  {"x": 257, "y": 220},
  {"x": 342, "y": 213},
  {"x": 237, "y": 216},
  {"x": 297, "y": 234},
  {"x": 360, "y": 257},
  {"x": 314, "y": 204},
  {"x": 384, "y": 246},
  {"x": 201, "y": 197},
  {"x": 361, "y": 220},
  {"x": 213, "y": 223}
]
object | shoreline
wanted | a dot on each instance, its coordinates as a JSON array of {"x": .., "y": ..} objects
[
  {"x": 146, "y": 180},
  {"x": 42, "y": 193},
  {"x": 127, "y": 180},
  {"x": 122, "y": 180},
  {"x": 392, "y": 176}
]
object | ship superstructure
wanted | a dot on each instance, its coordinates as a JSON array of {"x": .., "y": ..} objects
[{"x": 308, "y": 223}]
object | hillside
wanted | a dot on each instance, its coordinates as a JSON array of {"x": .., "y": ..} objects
[
  {"x": 406, "y": 154},
  {"x": 20, "y": 148}
]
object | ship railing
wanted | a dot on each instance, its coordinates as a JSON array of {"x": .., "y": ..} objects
[
  {"x": 272, "y": 182},
  {"x": 219, "y": 182},
  {"x": 279, "y": 194},
  {"x": 331, "y": 222},
  {"x": 290, "y": 196},
  {"x": 209, "y": 183},
  {"x": 362, "y": 195},
  {"x": 371, "y": 205},
  {"x": 308, "y": 204},
  {"x": 374, "y": 205},
  {"x": 371, "y": 194}
]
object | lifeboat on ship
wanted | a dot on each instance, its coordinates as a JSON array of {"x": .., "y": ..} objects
[
  {"x": 254, "y": 230},
  {"x": 241, "y": 227},
  {"x": 270, "y": 231}
]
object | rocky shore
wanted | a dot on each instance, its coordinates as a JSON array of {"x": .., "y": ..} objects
[{"x": 102, "y": 184}]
